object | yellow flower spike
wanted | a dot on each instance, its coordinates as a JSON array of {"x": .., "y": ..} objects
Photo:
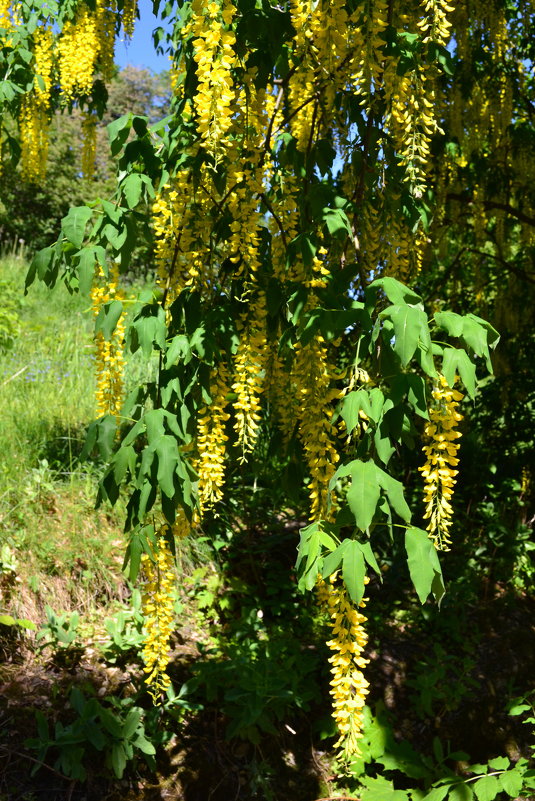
[
  {"x": 129, "y": 17},
  {"x": 109, "y": 361},
  {"x": 349, "y": 687},
  {"x": 158, "y": 613},
  {"x": 215, "y": 58},
  {"x": 312, "y": 375},
  {"x": 33, "y": 127},
  {"x": 250, "y": 363},
  {"x": 212, "y": 441},
  {"x": 441, "y": 460},
  {"x": 89, "y": 146}
]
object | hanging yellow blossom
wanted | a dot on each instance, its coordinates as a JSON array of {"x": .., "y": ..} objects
[
  {"x": 33, "y": 127},
  {"x": 349, "y": 686},
  {"x": 109, "y": 358},
  {"x": 44, "y": 64},
  {"x": 250, "y": 363},
  {"x": 213, "y": 51},
  {"x": 212, "y": 441},
  {"x": 158, "y": 614},
  {"x": 129, "y": 17},
  {"x": 89, "y": 145},
  {"x": 312, "y": 374},
  {"x": 78, "y": 49},
  {"x": 441, "y": 455}
]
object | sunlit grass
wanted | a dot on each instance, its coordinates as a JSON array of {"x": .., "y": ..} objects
[{"x": 47, "y": 383}]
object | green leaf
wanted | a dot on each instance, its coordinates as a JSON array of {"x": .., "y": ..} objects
[
  {"x": 411, "y": 331},
  {"x": 150, "y": 331},
  {"x": 118, "y": 131},
  {"x": 132, "y": 722},
  {"x": 437, "y": 793},
  {"x": 396, "y": 292},
  {"x": 144, "y": 745},
  {"x": 87, "y": 259},
  {"x": 168, "y": 458},
  {"x": 456, "y": 360},
  {"x": 363, "y": 494},
  {"x": 308, "y": 562},
  {"x": 511, "y": 782},
  {"x": 332, "y": 562},
  {"x": 487, "y": 788},
  {"x": 478, "y": 334},
  {"x": 108, "y": 317},
  {"x": 337, "y": 222},
  {"x": 132, "y": 188},
  {"x": 354, "y": 571},
  {"x": 352, "y": 404},
  {"x": 118, "y": 759},
  {"x": 380, "y": 789},
  {"x": 178, "y": 351},
  {"x": 461, "y": 792},
  {"x": 519, "y": 709},
  {"x": 111, "y": 722},
  {"x": 394, "y": 491},
  {"x": 499, "y": 763},
  {"x": 123, "y": 460},
  {"x": 73, "y": 225},
  {"x": 369, "y": 556},
  {"x": 413, "y": 386},
  {"x": 424, "y": 565},
  {"x": 451, "y": 322}
]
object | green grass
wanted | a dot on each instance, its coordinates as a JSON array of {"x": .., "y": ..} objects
[{"x": 47, "y": 383}]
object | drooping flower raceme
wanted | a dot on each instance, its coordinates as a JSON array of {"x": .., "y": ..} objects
[
  {"x": 158, "y": 614},
  {"x": 349, "y": 687},
  {"x": 109, "y": 359},
  {"x": 441, "y": 460}
]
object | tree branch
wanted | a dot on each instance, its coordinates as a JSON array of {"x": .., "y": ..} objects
[{"x": 492, "y": 204}]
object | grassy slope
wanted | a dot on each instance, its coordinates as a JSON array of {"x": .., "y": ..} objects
[{"x": 62, "y": 550}]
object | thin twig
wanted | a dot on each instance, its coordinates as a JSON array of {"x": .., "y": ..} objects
[
  {"x": 491, "y": 204},
  {"x": 15, "y": 375},
  {"x": 275, "y": 217},
  {"x": 38, "y": 762}
]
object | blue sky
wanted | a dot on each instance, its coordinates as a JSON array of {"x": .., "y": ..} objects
[{"x": 139, "y": 52}]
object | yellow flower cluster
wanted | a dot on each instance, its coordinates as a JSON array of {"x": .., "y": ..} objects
[
  {"x": 78, "y": 51},
  {"x": 441, "y": 460},
  {"x": 43, "y": 49},
  {"x": 106, "y": 11},
  {"x": 412, "y": 123},
  {"x": 435, "y": 26},
  {"x": 349, "y": 687},
  {"x": 109, "y": 360},
  {"x": 5, "y": 20},
  {"x": 215, "y": 58},
  {"x": 33, "y": 127},
  {"x": 212, "y": 441},
  {"x": 181, "y": 223},
  {"x": 129, "y": 17},
  {"x": 89, "y": 146},
  {"x": 34, "y": 110},
  {"x": 158, "y": 614},
  {"x": 249, "y": 366},
  {"x": 368, "y": 22},
  {"x": 281, "y": 393},
  {"x": 312, "y": 374}
]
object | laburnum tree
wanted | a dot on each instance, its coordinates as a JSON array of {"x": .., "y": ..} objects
[{"x": 320, "y": 160}]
